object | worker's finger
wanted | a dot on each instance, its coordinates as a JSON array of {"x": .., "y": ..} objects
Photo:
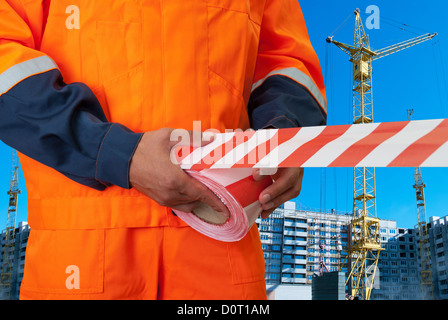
[
  {"x": 275, "y": 203},
  {"x": 212, "y": 200},
  {"x": 178, "y": 188},
  {"x": 193, "y": 190},
  {"x": 285, "y": 179},
  {"x": 167, "y": 198},
  {"x": 202, "y": 193}
]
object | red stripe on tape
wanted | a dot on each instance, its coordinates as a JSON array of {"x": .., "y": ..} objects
[
  {"x": 247, "y": 190},
  {"x": 420, "y": 150},
  {"x": 307, "y": 150},
  {"x": 181, "y": 152},
  {"x": 359, "y": 150},
  {"x": 223, "y": 149},
  {"x": 258, "y": 153}
]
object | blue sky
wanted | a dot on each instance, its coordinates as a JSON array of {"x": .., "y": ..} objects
[{"x": 415, "y": 78}]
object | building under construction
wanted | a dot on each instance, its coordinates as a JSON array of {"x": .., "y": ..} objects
[
  {"x": 300, "y": 243},
  {"x": 294, "y": 256},
  {"x": 17, "y": 266}
]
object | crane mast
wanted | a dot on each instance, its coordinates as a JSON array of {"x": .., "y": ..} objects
[
  {"x": 365, "y": 244},
  {"x": 8, "y": 253},
  {"x": 423, "y": 236}
]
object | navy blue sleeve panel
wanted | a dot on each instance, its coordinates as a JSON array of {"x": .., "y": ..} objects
[
  {"x": 64, "y": 127},
  {"x": 281, "y": 102}
]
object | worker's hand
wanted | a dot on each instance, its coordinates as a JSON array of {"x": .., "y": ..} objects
[
  {"x": 287, "y": 185},
  {"x": 154, "y": 174}
]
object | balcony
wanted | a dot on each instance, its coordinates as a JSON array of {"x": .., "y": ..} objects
[
  {"x": 295, "y": 233},
  {"x": 271, "y": 241},
  {"x": 293, "y": 261},
  {"x": 294, "y": 280},
  {"x": 296, "y": 224},
  {"x": 301, "y": 252}
]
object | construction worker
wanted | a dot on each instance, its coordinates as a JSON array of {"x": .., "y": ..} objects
[{"x": 89, "y": 94}]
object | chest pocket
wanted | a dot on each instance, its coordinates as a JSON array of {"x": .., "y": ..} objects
[
  {"x": 233, "y": 36},
  {"x": 119, "y": 51},
  {"x": 234, "y": 31},
  {"x": 119, "y": 48}
]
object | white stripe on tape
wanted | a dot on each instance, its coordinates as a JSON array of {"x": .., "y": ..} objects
[
  {"x": 386, "y": 152},
  {"x": 284, "y": 150},
  {"x": 328, "y": 153},
  {"x": 422, "y": 143},
  {"x": 438, "y": 158},
  {"x": 242, "y": 149},
  {"x": 418, "y": 143},
  {"x": 199, "y": 153}
]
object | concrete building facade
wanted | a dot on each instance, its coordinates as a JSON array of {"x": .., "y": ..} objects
[
  {"x": 299, "y": 243},
  {"x": 438, "y": 240},
  {"x": 21, "y": 239},
  {"x": 398, "y": 268}
]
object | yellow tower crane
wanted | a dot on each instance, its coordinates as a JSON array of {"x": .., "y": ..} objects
[
  {"x": 423, "y": 236},
  {"x": 8, "y": 253},
  {"x": 365, "y": 241}
]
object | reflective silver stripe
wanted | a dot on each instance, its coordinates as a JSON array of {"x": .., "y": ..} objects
[
  {"x": 23, "y": 70},
  {"x": 300, "y": 77}
]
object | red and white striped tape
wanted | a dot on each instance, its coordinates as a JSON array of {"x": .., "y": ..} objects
[
  {"x": 225, "y": 165},
  {"x": 421, "y": 143},
  {"x": 239, "y": 192}
]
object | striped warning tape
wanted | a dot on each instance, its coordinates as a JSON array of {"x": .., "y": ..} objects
[
  {"x": 239, "y": 192},
  {"x": 422, "y": 143}
]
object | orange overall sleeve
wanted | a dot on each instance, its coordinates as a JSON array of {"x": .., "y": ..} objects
[
  {"x": 288, "y": 86},
  {"x": 60, "y": 125}
]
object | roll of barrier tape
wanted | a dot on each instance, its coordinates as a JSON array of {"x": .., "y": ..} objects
[
  {"x": 239, "y": 192},
  {"x": 225, "y": 165}
]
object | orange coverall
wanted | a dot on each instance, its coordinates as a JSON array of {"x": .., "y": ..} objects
[{"x": 149, "y": 64}]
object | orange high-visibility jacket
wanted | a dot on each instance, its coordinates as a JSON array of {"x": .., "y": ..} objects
[
  {"x": 151, "y": 65},
  {"x": 146, "y": 65}
]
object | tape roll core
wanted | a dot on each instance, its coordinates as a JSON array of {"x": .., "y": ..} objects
[{"x": 207, "y": 214}]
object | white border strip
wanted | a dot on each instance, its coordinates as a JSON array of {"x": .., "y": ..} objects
[
  {"x": 23, "y": 70},
  {"x": 300, "y": 77}
]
